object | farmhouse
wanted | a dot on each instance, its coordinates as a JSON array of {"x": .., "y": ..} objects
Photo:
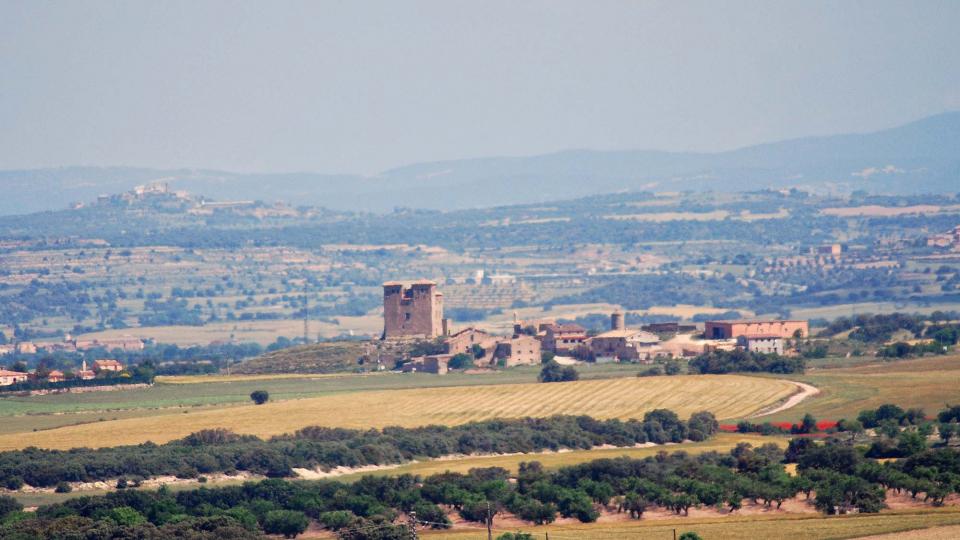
[
  {"x": 669, "y": 327},
  {"x": 56, "y": 376},
  {"x": 435, "y": 363},
  {"x": 946, "y": 240},
  {"x": 107, "y": 365},
  {"x": 11, "y": 377},
  {"x": 124, "y": 343},
  {"x": 564, "y": 339},
  {"x": 519, "y": 350},
  {"x": 762, "y": 343},
  {"x": 735, "y": 329},
  {"x": 466, "y": 340},
  {"x": 621, "y": 344}
]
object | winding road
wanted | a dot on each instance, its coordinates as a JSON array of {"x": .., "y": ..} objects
[{"x": 806, "y": 390}]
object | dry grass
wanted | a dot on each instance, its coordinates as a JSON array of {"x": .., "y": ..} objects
[
  {"x": 659, "y": 217},
  {"x": 726, "y": 395},
  {"x": 721, "y": 442},
  {"x": 928, "y": 383},
  {"x": 780, "y": 526},
  {"x": 888, "y": 211},
  {"x": 263, "y": 332}
]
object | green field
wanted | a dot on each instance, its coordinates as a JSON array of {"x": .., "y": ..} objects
[{"x": 929, "y": 383}]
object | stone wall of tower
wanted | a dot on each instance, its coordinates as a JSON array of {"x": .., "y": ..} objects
[{"x": 412, "y": 311}]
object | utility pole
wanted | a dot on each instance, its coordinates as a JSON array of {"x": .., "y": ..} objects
[
  {"x": 489, "y": 523},
  {"x": 306, "y": 315},
  {"x": 413, "y": 525}
]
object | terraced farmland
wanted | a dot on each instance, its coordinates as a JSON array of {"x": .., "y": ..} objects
[{"x": 727, "y": 396}]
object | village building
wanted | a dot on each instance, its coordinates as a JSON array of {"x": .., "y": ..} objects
[
  {"x": 85, "y": 374},
  {"x": 26, "y": 347},
  {"x": 465, "y": 340},
  {"x": 621, "y": 344},
  {"x": 945, "y": 240},
  {"x": 414, "y": 311},
  {"x": 520, "y": 350},
  {"x": 57, "y": 346},
  {"x": 674, "y": 327},
  {"x": 124, "y": 343},
  {"x": 8, "y": 377},
  {"x": 735, "y": 329},
  {"x": 56, "y": 376},
  {"x": 761, "y": 343},
  {"x": 564, "y": 339},
  {"x": 438, "y": 364},
  {"x": 8, "y": 348},
  {"x": 107, "y": 365}
]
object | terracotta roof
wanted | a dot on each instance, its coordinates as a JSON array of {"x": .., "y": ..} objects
[
  {"x": 8, "y": 373},
  {"x": 757, "y": 321},
  {"x": 106, "y": 362}
]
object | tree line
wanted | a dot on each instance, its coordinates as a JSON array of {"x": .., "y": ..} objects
[
  {"x": 221, "y": 451},
  {"x": 833, "y": 476}
]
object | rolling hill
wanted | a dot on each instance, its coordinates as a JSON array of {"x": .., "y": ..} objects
[{"x": 919, "y": 157}]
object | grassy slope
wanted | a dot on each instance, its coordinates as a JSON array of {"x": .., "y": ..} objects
[
  {"x": 626, "y": 397},
  {"x": 722, "y": 442},
  {"x": 927, "y": 382},
  {"x": 332, "y": 357}
]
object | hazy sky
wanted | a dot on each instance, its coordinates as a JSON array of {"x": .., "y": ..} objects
[{"x": 363, "y": 86}]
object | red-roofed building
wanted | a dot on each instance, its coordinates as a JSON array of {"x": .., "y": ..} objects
[
  {"x": 564, "y": 339},
  {"x": 107, "y": 365},
  {"x": 12, "y": 377}
]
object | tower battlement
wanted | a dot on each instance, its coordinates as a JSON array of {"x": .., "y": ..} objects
[{"x": 414, "y": 310}]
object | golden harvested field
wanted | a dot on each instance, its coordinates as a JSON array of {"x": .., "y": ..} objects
[
  {"x": 780, "y": 526},
  {"x": 728, "y": 396},
  {"x": 888, "y": 211}
]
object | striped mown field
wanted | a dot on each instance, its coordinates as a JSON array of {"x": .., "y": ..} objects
[{"x": 727, "y": 396}]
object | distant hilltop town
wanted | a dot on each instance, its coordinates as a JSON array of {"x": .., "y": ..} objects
[
  {"x": 159, "y": 194},
  {"x": 414, "y": 310}
]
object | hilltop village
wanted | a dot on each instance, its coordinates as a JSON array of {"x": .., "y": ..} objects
[{"x": 414, "y": 311}]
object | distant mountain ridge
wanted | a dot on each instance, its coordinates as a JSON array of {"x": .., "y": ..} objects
[{"x": 919, "y": 157}]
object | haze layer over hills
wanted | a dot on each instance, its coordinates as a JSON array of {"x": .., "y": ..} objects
[{"x": 920, "y": 157}]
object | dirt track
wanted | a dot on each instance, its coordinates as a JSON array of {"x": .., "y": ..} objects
[{"x": 806, "y": 390}]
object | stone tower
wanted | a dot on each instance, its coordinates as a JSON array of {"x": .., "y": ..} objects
[
  {"x": 414, "y": 311},
  {"x": 616, "y": 321}
]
